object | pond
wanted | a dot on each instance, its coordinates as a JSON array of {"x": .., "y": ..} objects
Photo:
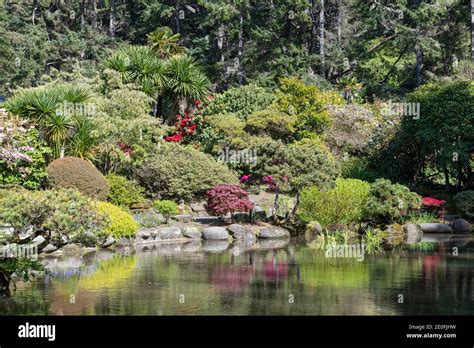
[{"x": 286, "y": 279}]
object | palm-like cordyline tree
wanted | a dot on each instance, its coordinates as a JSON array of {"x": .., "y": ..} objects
[
  {"x": 45, "y": 106},
  {"x": 164, "y": 43}
]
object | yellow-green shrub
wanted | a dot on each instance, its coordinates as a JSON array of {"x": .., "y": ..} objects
[
  {"x": 119, "y": 223},
  {"x": 340, "y": 205}
]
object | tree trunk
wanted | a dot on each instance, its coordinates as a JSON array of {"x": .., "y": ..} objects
[
  {"x": 178, "y": 24},
  {"x": 83, "y": 15},
  {"x": 37, "y": 5},
  {"x": 94, "y": 14},
  {"x": 295, "y": 208},
  {"x": 321, "y": 39},
  {"x": 220, "y": 41},
  {"x": 446, "y": 178},
  {"x": 419, "y": 65},
  {"x": 240, "y": 72},
  {"x": 472, "y": 29},
  {"x": 112, "y": 18}
]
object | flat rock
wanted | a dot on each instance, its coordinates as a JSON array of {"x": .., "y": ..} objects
[
  {"x": 215, "y": 233},
  {"x": 337, "y": 227},
  {"x": 433, "y": 227},
  {"x": 123, "y": 242},
  {"x": 273, "y": 232},
  {"x": 206, "y": 219},
  {"x": 241, "y": 232},
  {"x": 169, "y": 233},
  {"x": 198, "y": 207},
  {"x": 183, "y": 218}
]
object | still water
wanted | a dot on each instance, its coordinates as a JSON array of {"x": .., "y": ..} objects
[{"x": 279, "y": 278}]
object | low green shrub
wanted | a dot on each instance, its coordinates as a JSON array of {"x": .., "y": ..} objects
[
  {"x": 118, "y": 223},
  {"x": 73, "y": 172},
  {"x": 181, "y": 172},
  {"x": 465, "y": 203},
  {"x": 273, "y": 123},
  {"x": 390, "y": 202},
  {"x": 340, "y": 205},
  {"x": 50, "y": 213},
  {"x": 166, "y": 208},
  {"x": 123, "y": 192}
]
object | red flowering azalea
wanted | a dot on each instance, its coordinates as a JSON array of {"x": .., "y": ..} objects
[{"x": 432, "y": 202}]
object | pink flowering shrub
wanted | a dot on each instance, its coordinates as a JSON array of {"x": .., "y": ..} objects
[
  {"x": 434, "y": 205},
  {"x": 228, "y": 198}
]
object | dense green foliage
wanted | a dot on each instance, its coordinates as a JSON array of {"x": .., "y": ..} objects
[
  {"x": 123, "y": 192},
  {"x": 72, "y": 172},
  {"x": 181, "y": 172},
  {"x": 342, "y": 204},
  {"x": 465, "y": 203},
  {"x": 240, "y": 102},
  {"x": 389, "y": 202},
  {"x": 118, "y": 223},
  {"x": 51, "y": 213},
  {"x": 166, "y": 208}
]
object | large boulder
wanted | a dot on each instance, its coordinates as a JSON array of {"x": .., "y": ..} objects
[
  {"x": 413, "y": 233},
  {"x": 191, "y": 232},
  {"x": 433, "y": 227},
  {"x": 108, "y": 242},
  {"x": 241, "y": 232},
  {"x": 215, "y": 233},
  {"x": 169, "y": 233},
  {"x": 461, "y": 226},
  {"x": 273, "y": 232},
  {"x": 314, "y": 228}
]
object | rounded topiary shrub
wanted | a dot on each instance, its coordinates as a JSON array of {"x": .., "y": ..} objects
[
  {"x": 118, "y": 223},
  {"x": 73, "y": 172},
  {"x": 465, "y": 203},
  {"x": 181, "y": 172}
]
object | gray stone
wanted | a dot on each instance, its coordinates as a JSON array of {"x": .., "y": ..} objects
[
  {"x": 241, "y": 232},
  {"x": 72, "y": 249},
  {"x": 198, "y": 207},
  {"x": 461, "y": 226},
  {"x": 215, "y": 233},
  {"x": 108, "y": 242},
  {"x": 413, "y": 233},
  {"x": 435, "y": 228},
  {"x": 169, "y": 233},
  {"x": 40, "y": 242},
  {"x": 192, "y": 232},
  {"x": 89, "y": 238},
  {"x": 314, "y": 228},
  {"x": 144, "y": 234},
  {"x": 183, "y": 218},
  {"x": 273, "y": 232},
  {"x": 215, "y": 246},
  {"x": 49, "y": 248}
]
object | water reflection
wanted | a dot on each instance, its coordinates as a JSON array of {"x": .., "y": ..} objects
[{"x": 278, "y": 278}]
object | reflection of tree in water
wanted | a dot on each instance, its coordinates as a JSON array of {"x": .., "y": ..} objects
[{"x": 445, "y": 285}]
